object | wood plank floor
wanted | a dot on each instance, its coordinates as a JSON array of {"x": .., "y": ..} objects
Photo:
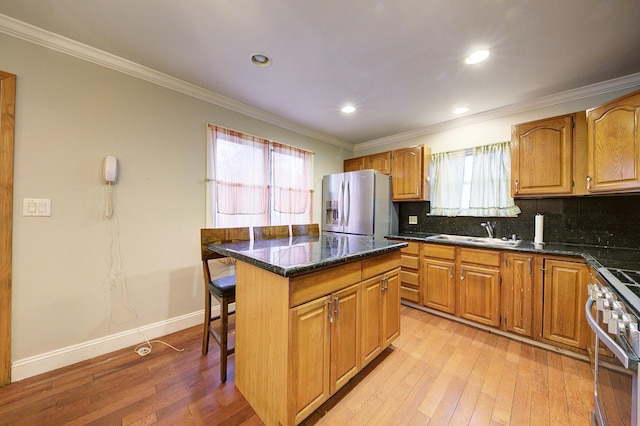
[{"x": 439, "y": 372}]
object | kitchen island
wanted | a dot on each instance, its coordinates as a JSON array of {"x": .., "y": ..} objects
[{"x": 311, "y": 312}]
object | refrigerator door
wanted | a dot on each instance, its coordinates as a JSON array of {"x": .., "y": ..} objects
[
  {"x": 359, "y": 196},
  {"x": 333, "y": 202}
]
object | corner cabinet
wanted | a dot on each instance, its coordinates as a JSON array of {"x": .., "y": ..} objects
[
  {"x": 410, "y": 174},
  {"x": 542, "y": 157},
  {"x": 613, "y": 135}
]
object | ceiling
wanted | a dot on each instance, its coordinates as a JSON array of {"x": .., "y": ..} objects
[{"x": 400, "y": 63}]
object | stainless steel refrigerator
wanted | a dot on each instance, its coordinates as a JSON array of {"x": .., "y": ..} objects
[{"x": 358, "y": 203}]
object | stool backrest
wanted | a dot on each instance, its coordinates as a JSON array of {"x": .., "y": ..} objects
[
  {"x": 308, "y": 229},
  {"x": 220, "y": 236},
  {"x": 270, "y": 232}
]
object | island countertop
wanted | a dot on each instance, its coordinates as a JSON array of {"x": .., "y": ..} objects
[{"x": 293, "y": 256}]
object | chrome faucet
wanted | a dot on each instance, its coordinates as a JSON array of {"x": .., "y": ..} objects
[{"x": 489, "y": 227}]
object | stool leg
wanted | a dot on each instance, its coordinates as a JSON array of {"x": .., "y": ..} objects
[
  {"x": 207, "y": 321},
  {"x": 224, "y": 331}
]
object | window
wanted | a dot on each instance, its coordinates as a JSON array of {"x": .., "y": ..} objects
[
  {"x": 252, "y": 181},
  {"x": 473, "y": 182}
]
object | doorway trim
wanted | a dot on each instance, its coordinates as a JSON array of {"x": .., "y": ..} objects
[{"x": 7, "y": 130}]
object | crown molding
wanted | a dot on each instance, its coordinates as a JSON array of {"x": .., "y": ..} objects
[
  {"x": 49, "y": 40},
  {"x": 608, "y": 86}
]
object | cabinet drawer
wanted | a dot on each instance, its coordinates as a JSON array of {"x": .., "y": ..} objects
[
  {"x": 412, "y": 248},
  {"x": 439, "y": 251},
  {"x": 409, "y": 293},
  {"x": 377, "y": 265},
  {"x": 317, "y": 284},
  {"x": 411, "y": 278},
  {"x": 480, "y": 257},
  {"x": 409, "y": 261}
]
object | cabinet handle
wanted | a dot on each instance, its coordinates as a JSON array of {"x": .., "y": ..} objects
[
  {"x": 450, "y": 271},
  {"x": 517, "y": 186},
  {"x": 506, "y": 262},
  {"x": 330, "y": 302},
  {"x": 336, "y": 305},
  {"x": 588, "y": 183},
  {"x": 462, "y": 274},
  {"x": 529, "y": 265}
]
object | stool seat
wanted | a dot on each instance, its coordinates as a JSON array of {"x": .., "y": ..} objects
[{"x": 223, "y": 287}]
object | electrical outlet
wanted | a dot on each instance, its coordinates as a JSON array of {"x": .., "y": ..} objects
[{"x": 413, "y": 220}]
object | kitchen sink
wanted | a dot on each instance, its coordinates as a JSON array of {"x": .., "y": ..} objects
[{"x": 483, "y": 241}]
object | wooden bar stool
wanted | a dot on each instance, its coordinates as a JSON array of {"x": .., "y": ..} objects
[
  {"x": 270, "y": 232},
  {"x": 308, "y": 229},
  {"x": 223, "y": 289}
]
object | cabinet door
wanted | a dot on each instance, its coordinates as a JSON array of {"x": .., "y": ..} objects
[
  {"x": 439, "y": 284},
  {"x": 408, "y": 173},
  {"x": 391, "y": 307},
  {"x": 380, "y": 162},
  {"x": 479, "y": 294},
  {"x": 542, "y": 157},
  {"x": 345, "y": 336},
  {"x": 310, "y": 337},
  {"x": 613, "y": 135},
  {"x": 565, "y": 293},
  {"x": 516, "y": 301},
  {"x": 354, "y": 164},
  {"x": 371, "y": 318}
]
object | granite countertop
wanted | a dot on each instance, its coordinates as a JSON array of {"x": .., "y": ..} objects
[
  {"x": 300, "y": 255},
  {"x": 596, "y": 256}
]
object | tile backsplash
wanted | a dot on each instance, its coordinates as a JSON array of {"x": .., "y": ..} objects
[{"x": 612, "y": 221}]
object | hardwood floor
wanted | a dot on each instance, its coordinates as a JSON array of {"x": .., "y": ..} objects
[{"x": 438, "y": 372}]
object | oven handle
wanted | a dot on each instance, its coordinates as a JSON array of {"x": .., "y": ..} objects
[{"x": 604, "y": 337}]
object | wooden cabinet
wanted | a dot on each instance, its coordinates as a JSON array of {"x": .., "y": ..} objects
[
  {"x": 439, "y": 277},
  {"x": 613, "y": 135},
  {"x": 479, "y": 286},
  {"x": 542, "y": 155},
  {"x": 300, "y": 339},
  {"x": 516, "y": 294},
  {"x": 564, "y": 291},
  {"x": 354, "y": 164},
  {"x": 410, "y": 272},
  {"x": 380, "y": 162},
  {"x": 410, "y": 173}
]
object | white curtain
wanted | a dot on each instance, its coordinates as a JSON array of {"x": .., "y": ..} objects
[
  {"x": 490, "y": 182},
  {"x": 292, "y": 185},
  {"x": 447, "y": 180}
]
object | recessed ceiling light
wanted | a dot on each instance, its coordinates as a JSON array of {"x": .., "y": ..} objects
[
  {"x": 477, "y": 56},
  {"x": 260, "y": 60},
  {"x": 348, "y": 109},
  {"x": 460, "y": 110}
]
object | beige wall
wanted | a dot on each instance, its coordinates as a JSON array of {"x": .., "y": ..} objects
[{"x": 69, "y": 115}]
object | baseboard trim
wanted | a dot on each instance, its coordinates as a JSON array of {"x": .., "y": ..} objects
[{"x": 42, "y": 363}]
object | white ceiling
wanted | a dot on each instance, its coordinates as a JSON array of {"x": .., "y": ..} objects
[{"x": 400, "y": 63}]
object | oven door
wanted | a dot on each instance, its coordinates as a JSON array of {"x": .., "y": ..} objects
[{"x": 615, "y": 377}]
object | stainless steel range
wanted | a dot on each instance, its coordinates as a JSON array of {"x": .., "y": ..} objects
[{"x": 612, "y": 312}]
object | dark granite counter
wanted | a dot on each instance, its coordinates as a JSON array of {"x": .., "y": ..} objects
[
  {"x": 300, "y": 255},
  {"x": 596, "y": 256}
]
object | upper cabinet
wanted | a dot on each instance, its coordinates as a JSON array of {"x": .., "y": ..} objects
[
  {"x": 410, "y": 173},
  {"x": 354, "y": 164},
  {"x": 542, "y": 156},
  {"x": 380, "y": 162},
  {"x": 613, "y": 135}
]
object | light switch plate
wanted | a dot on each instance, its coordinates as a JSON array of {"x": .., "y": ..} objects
[
  {"x": 413, "y": 220},
  {"x": 40, "y": 207}
]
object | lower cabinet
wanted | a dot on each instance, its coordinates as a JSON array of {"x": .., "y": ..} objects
[
  {"x": 439, "y": 277},
  {"x": 564, "y": 290},
  {"x": 381, "y": 313},
  {"x": 410, "y": 273},
  {"x": 516, "y": 294},
  {"x": 479, "y": 286}
]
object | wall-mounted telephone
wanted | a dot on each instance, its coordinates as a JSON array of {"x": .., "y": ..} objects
[{"x": 110, "y": 170}]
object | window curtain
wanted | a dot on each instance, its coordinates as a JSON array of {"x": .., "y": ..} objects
[
  {"x": 238, "y": 177},
  {"x": 490, "y": 182},
  {"x": 292, "y": 185},
  {"x": 447, "y": 180}
]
